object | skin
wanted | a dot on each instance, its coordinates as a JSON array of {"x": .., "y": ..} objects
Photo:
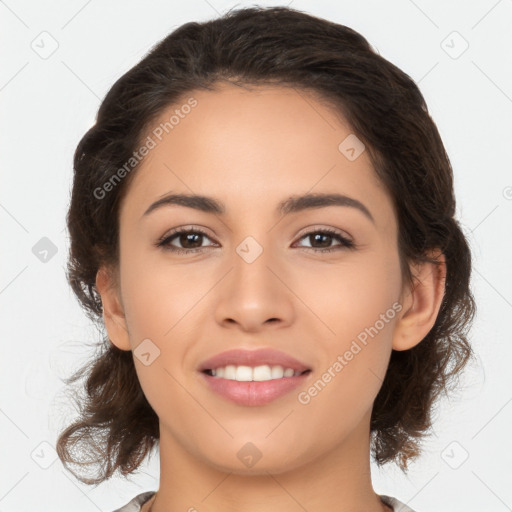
[{"x": 250, "y": 150}]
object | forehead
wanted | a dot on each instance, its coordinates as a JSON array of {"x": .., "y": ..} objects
[{"x": 250, "y": 148}]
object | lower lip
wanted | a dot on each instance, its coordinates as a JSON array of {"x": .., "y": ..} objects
[{"x": 254, "y": 393}]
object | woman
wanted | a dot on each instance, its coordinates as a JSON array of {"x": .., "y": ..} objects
[{"x": 263, "y": 219}]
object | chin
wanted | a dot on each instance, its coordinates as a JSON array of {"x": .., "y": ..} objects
[{"x": 253, "y": 461}]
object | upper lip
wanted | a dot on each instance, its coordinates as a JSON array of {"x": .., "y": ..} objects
[{"x": 258, "y": 357}]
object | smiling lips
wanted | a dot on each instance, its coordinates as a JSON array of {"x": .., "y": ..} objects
[{"x": 253, "y": 377}]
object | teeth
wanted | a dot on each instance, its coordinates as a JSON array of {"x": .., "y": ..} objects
[{"x": 258, "y": 373}]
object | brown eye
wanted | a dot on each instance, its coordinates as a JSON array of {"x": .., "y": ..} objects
[
  {"x": 324, "y": 238},
  {"x": 189, "y": 239}
]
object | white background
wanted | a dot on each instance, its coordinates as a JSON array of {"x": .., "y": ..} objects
[{"x": 47, "y": 105}]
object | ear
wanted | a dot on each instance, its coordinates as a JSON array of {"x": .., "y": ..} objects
[
  {"x": 113, "y": 311},
  {"x": 422, "y": 303}
]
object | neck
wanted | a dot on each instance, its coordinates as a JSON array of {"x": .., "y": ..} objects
[{"x": 339, "y": 480}]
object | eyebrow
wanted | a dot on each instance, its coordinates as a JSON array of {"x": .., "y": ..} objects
[{"x": 293, "y": 204}]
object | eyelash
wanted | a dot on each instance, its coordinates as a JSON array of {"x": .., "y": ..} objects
[{"x": 164, "y": 242}]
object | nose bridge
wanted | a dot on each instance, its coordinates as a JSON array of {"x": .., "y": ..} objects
[
  {"x": 252, "y": 262},
  {"x": 253, "y": 291}
]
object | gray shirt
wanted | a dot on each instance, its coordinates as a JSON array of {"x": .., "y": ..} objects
[{"x": 136, "y": 503}]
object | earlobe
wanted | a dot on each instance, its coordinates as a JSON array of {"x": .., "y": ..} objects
[
  {"x": 422, "y": 303},
  {"x": 113, "y": 313}
]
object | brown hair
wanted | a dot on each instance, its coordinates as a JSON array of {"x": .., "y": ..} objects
[{"x": 117, "y": 427}]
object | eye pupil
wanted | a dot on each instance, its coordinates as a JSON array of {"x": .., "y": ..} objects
[
  {"x": 189, "y": 237},
  {"x": 316, "y": 236}
]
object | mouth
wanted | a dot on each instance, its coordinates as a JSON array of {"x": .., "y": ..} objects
[
  {"x": 260, "y": 373},
  {"x": 253, "y": 387},
  {"x": 253, "y": 377}
]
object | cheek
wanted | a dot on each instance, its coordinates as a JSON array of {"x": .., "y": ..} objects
[
  {"x": 359, "y": 305},
  {"x": 158, "y": 294},
  {"x": 159, "y": 304},
  {"x": 350, "y": 297}
]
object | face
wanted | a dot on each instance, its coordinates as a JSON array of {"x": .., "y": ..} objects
[{"x": 254, "y": 277}]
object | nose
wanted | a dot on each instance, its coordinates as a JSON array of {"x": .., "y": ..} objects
[{"x": 255, "y": 293}]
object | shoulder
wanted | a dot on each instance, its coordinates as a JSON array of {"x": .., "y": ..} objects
[
  {"x": 136, "y": 503},
  {"x": 395, "y": 504}
]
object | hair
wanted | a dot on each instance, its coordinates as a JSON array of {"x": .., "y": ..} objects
[{"x": 280, "y": 46}]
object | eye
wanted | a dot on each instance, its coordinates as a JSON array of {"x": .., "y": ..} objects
[
  {"x": 324, "y": 237},
  {"x": 191, "y": 240}
]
